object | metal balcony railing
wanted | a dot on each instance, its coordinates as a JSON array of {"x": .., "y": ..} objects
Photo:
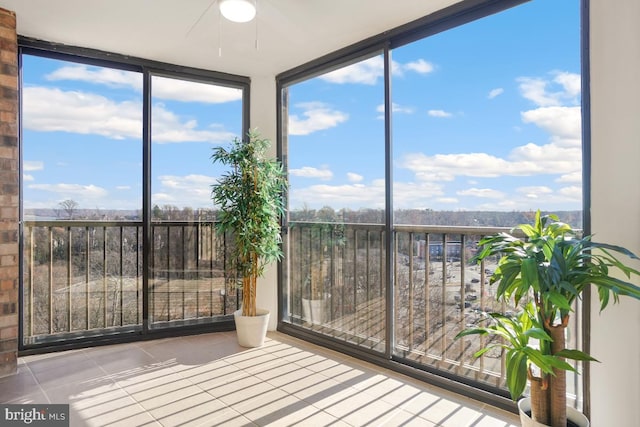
[
  {"x": 337, "y": 280},
  {"x": 85, "y": 278},
  {"x": 337, "y": 288}
]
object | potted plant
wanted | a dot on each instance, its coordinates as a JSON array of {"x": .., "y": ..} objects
[
  {"x": 314, "y": 296},
  {"x": 324, "y": 238},
  {"x": 250, "y": 200},
  {"x": 545, "y": 273}
]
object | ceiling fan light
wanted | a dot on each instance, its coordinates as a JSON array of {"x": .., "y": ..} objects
[{"x": 238, "y": 10}]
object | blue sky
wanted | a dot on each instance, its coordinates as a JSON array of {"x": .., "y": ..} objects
[
  {"x": 486, "y": 117},
  {"x": 83, "y": 131}
]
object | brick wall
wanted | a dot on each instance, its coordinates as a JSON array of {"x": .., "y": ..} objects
[{"x": 8, "y": 193}]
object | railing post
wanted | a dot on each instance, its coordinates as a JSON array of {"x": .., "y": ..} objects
[
  {"x": 121, "y": 277},
  {"x": 31, "y": 281},
  {"x": 50, "y": 295},
  {"x": 411, "y": 290},
  {"x": 69, "y": 253}
]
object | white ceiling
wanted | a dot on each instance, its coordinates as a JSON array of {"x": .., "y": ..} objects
[{"x": 289, "y": 32}]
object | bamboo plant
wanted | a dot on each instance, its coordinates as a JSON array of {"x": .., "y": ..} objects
[
  {"x": 250, "y": 200},
  {"x": 546, "y": 272}
]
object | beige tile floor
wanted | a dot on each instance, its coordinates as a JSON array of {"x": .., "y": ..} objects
[{"x": 208, "y": 380}]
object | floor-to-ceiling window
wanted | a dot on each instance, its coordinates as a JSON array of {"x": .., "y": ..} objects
[
  {"x": 115, "y": 181},
  {"x": 187, "y": 119},
  {"x": 336, "y": 172},
  {"x": 484, "y": 129},
  {"x": 488, "y": 132},
  {"x": 81, "y": 173}
]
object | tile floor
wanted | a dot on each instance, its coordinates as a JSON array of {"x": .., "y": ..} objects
[{"x": 208, "y": 380}]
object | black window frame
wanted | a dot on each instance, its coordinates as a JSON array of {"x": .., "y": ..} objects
[{"x": 147, "y": 68}]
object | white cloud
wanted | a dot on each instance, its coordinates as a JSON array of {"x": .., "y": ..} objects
[
  {"x": 571, "y": 82},
  {"x": 162, "y": 199},
  {"x": 85, "y": 113},
  {"x": 439, "y": 113},
  {"x": 526, "y": 160},
  {"x": 365, "y": 72},
  {"x": 573, "y": 192},
  {"x": 547, "y": 158},
  {"x": 162, "y": 87},
  {"x": 535, "y": 90},
  {"x": 354, "y": 177},
  {"x": 123, "y": 187},
  {"x": 563, "y": 123},
  {"x": 348, "y": 195},
  {"x": 32, "y": 165},
  {"x": 534, "y": 192},
  {"x": 97, "y": 75},
  {"x": 501, "y": 205},
  {"x": 395, "y": 108},
  {"x": 495, "y": 92},
  {"x": 189, "y": 190},
  {"x": 418, "y": 195},
  {"x": 371, "y": 195},
  {"x": 316, "y": 116},
  {"x": 369, "y": 71},
  {"x": 185, "y": 182},
  {"x": 169, "y": 127},
  {"x": 571, "y": 178},
  {"x": 532, "y": 197},
  {"x": 420, "y": 66},
  {"x": 51, "y": 110},
  {"x": 26, "y": 177},
  {"x": 486, "y": 193},
  {"x": 541, "y": 91},
  {"x": 72, "y": 191},
  {"x": 310, "y": 172},
  {"x": 445, "y": 167},
  {"x": 560, "y": 156},
  {"x": 180, "y": 90}
]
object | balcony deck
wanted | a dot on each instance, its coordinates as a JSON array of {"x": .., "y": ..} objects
[{"x": 208, "y": 380}]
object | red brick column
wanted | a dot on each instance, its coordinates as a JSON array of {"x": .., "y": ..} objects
[{"x": 9, "y": 193}]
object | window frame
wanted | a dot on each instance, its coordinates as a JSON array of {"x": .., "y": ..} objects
[{"x": 147, "y": 68}]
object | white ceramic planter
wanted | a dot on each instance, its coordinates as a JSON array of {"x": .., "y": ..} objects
[
  {"x": 314, "y": 311},
  {"x": 573, "y": 415},
  {"x": 251, "y": 330}
]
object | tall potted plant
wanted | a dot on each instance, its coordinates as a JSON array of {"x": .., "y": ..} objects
[
  {"x": 249, "y": 197},
  {"x": 550, "y": 268}
]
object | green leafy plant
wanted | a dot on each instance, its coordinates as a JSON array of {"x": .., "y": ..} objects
[
  {"x": 551, "y": 267},
  {"x": 250, "y": 201}
]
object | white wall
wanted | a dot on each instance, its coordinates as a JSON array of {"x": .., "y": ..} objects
[
  {"x": 615, "y": 192},
  {"x": 263, "y": 117}
]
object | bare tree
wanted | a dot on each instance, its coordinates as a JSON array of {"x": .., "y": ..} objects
[{"x": 68, "y": 206}]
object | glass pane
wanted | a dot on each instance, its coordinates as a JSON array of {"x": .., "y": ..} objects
[
  {"x": 336, "y": 165},
  {"x": 486, "y": 130},
  {"x": 487, "y": 120},
  {"x": 187, "y": 282},
  {"x": 82, "y": 198}
]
